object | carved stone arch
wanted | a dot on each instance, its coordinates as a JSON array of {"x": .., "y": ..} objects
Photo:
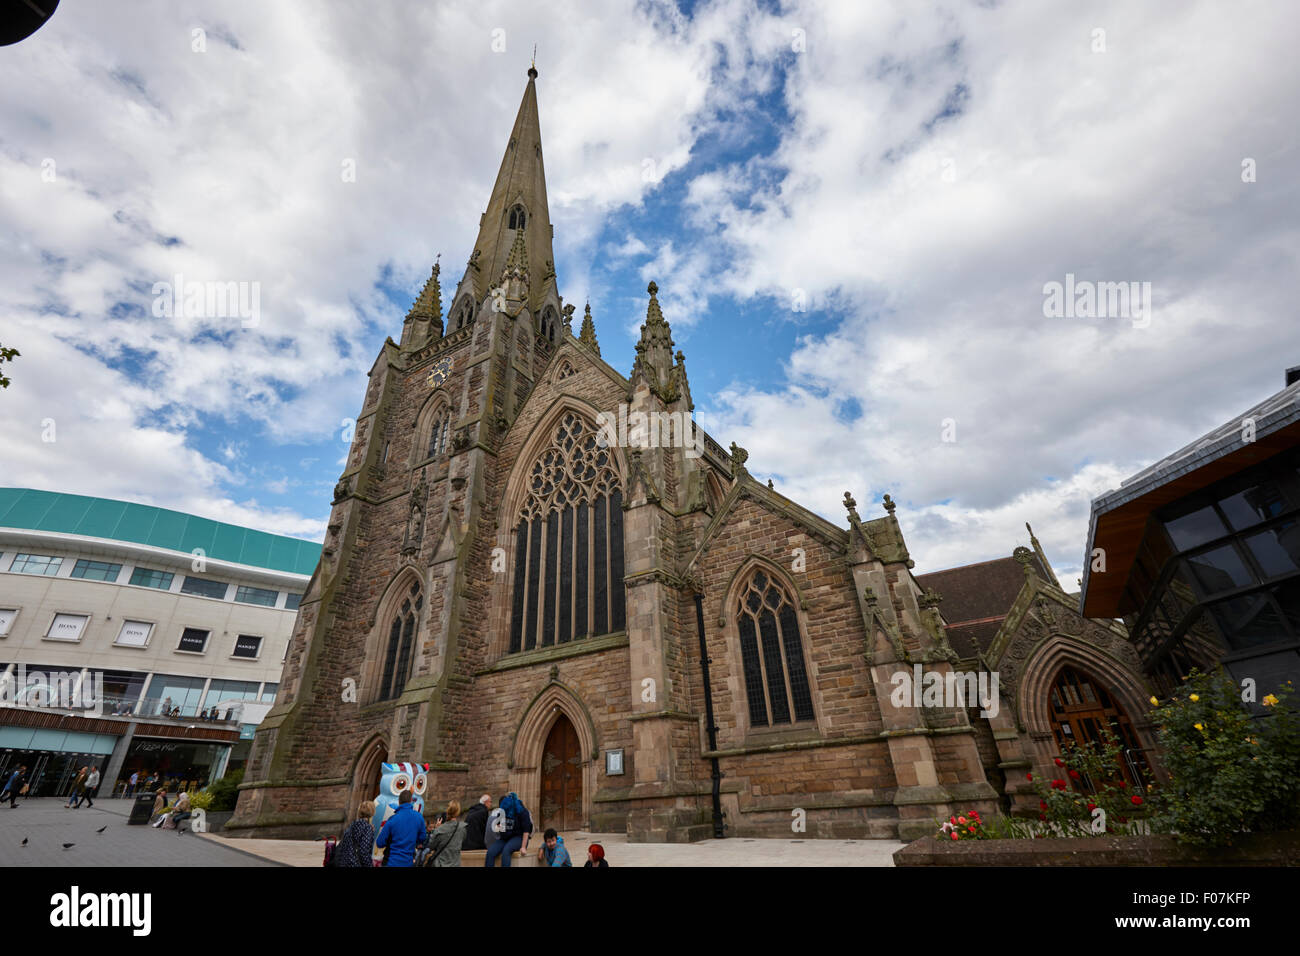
[
  {"x": 742, "y": 572},
  {"x": 1040, "y": 671},
  {"x": 539, "y": 437},
  {"x": 367, "y": 765},
  {"x": 529, "y": 740},
  {"x": 727, "y": 620},
  {"x": 713, "y": 490},
  {"x": 380, "y": 621},
  {"x": 438, "y": 402}
]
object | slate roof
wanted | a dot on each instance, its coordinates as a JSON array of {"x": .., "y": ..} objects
[{"x": 976, "y": 600}]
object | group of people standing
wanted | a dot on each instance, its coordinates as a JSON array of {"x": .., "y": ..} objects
[{"x": 409, "y": 841}]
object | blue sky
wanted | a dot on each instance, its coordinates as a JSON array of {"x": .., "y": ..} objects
[{"x": 914, "y": 175}]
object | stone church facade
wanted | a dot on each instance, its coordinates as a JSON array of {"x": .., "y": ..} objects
[{"x": 522, "y": 605}]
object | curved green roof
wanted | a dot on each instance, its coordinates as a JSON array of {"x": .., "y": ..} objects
[{"x": 155, "y": 527}]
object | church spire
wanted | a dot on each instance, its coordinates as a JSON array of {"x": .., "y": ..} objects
[
  {"x": 517, "y": 215},
  {"x": 588, "y": 334}
]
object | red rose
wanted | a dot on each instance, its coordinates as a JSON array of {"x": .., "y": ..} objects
[
  {"x": 1091, "y": 807},
  {"x": 961, "y": 820},
  {"x": 1060, "y": 762},
  {"x": 1137, "y": 801},
  {"x": 1123, "y": 819},
  {"x": 952, "y": 820},
  {"x": 956, "y": 837},
  {"x": 1042, "y": 816},
  {"x": 1042, "y": 804},
  {"x": 1029, "y": 776},
  {"x": 1074, "y": 775}
]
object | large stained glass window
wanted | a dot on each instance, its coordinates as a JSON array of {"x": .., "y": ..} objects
[{"x": 568, "y": 556}]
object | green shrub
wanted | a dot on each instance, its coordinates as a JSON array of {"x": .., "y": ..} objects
[
  {"x": 201, "y": 800},
  {"x": 1229, "y": 772},
  {"x": 225, "y": 792}
]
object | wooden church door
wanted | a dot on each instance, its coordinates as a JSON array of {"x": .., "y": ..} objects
[{"x": 562, "y": 778}]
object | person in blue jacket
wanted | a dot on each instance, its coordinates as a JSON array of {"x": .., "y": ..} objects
[
  {"x": 553, "y": 852},
  {"x": 403, "y": 833}
]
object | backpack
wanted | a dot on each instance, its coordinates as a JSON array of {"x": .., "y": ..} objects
[{"x": 330, "y": 846}]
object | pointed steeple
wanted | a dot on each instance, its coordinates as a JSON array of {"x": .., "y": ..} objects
[
  {"x": 424, "y": 320},
  {"x": 518, "y": 194},
  {"x": 654, "y": 351},
  {"x": 588, "y": 334}
]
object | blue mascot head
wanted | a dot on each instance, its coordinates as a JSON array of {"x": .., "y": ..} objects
[{"x": 396, "y": 778}]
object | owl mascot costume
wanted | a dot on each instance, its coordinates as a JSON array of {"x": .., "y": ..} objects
[{"x": 396, "y": 778}]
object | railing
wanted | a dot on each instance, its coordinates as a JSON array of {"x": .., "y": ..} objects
[{"x": 111, "y": 705}]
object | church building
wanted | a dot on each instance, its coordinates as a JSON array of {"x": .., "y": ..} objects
[{"x": 527, "y": 588}]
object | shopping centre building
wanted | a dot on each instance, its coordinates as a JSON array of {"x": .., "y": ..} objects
[{"x": 135, "y": 638}]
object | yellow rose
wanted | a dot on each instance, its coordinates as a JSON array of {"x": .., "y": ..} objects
[
  {"x": 1195, "y": 697},
  {"x": 1154, "y": 702},
  {"x": 1269, "y": 700},
  {"x": 1200, "y": 727}
]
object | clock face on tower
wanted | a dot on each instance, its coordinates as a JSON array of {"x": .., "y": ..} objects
[{"x": 440, "y": 372}]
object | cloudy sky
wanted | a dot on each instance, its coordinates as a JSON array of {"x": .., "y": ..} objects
[{"x": 851, "y": 209}]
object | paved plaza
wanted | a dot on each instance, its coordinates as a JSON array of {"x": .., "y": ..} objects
[{"x": 46, "y": 826}]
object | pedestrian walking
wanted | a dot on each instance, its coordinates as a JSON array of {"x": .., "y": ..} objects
[
  {"x": 92, "y": 786},
  {"x": 78, "y": 789},
  {"x": 14, "y": 786}
]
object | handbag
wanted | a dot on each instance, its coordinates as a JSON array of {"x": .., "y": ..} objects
[{"x": 432, "y": 857}]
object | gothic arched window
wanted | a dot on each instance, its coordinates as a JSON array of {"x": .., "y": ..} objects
[
  {"x": 771, "y": 651},
  {"x": 400, "y": 650},
  {"x": 438, "y": 433},
  {"x": 465, "y": 313},
  {"x": 517, "y": 217},
  {"x": 568, "y": 580},
  {"x": 550, "y": 325}
]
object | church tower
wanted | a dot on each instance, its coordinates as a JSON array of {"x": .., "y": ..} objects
[{"x": 631, "y": 632}]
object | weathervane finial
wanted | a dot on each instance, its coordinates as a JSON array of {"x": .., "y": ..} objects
[{"x": 532, "y": 70}]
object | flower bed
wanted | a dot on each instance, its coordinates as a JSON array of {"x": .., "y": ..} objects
[{"x": 1261, "y": 849}]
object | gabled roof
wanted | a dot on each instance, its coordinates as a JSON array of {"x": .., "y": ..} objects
[{"x": 977, "y": 599}]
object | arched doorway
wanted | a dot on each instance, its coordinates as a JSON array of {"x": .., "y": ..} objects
[
  {"x": 1081, "y": 710},
  {"x": 370, "y": 770},
  {"x": 561, "y": 805}
]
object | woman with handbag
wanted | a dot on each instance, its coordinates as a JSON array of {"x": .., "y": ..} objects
[{"x": 445, "y": 842}]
